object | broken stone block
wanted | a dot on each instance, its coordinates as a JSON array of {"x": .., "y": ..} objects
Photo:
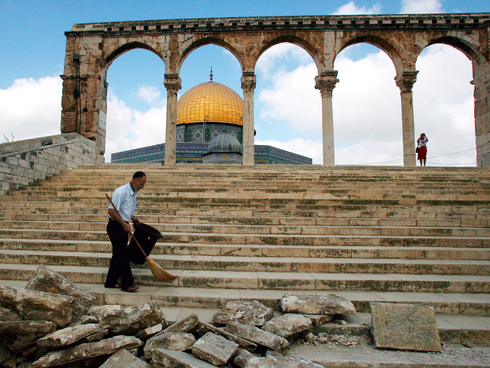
[
  {"x": 206, "y": 327},
  {"x": 187, "y": 324},
  {"x": 257, "y": 335},
  {"x": 281, "y": 362},
  {"x": 149, "y": 332},
  {"x": 162, "y": 358},
  {"x": 38, "y": 305},
  {"x": 68, "y": 336},
  {"x": 178, "y": 341},
  {"x": 87, "y": 351},
  {"x": 329, "y": 304},
  {"x": 129, "y": 320},
  {"x": 319, "y": 319},
  {"x": 19, "y": 336},
  {"x": 242, "y": 357},
  {"x": 123, "y": 358},
  {"x": 249, "y": 312},
  {"x": 288, "y": 325},
  {"x": 51, "y": 282},
  {"x": 214, "y": 349},
  {"x": 405, "y": 327}
]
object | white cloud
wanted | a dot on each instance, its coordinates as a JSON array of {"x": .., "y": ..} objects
[
  {"x": 31, "y": 108},
  {"x": 149, "y": 94},
  {"x": 128, "y": 128},
  {"x": 352, "y": 8},
  {"x": 421, "y": 6}
]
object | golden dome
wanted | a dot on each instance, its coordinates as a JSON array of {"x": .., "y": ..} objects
[{"x": 211, "y": 101}]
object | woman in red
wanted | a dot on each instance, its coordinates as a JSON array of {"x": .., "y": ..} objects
[{"x": 422, "y": 149}]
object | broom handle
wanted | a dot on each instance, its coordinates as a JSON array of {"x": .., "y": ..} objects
[{"x": 130, "y": 233}]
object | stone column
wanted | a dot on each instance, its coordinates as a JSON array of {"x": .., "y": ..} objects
[
  {"x": 173, "y": 85},
  {"x": 248, "y": 86},
  {"x": 405, "y": 82},
  {"x": 325, "y": 82}
]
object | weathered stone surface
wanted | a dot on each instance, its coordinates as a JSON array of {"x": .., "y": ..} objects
[
  {"x": 257, "y": 335},
  {"x": 149, "y": 331},
  {"x": 99, "y": 335},
  {"x": 249, "y": 312},
  {"x": 129, "y": 320},
  {"x": 242, "y": 357},
  {"x": 405, "y": 327},
  {"x": 86, "y": 351},
  {"x": 123, "y": 359},
  {"x": 51, "y": 282},
  {"x": 214, "y": 349},
  {"x": 38, "y": 305},
  {"x": 318, "y": 319},
  {"x": 316, "y": 304},
  {"x": 288, "y": 325},
  {"x": 206, "y": 327},
  {"x": 178, "y": 341},
  {"x": 68, "y": 335},
  {"x": 187, "y": 324},
  {"x": 21, "y": 335},
  {"x": 162, "y": 358},
  {"x": 281, "y": 362},
  {"x": 7, "y": 314},
  {"x": 5, "y": 353}
]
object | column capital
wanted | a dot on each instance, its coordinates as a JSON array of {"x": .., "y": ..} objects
[
  {"x": 406, "y": 80},
  {"x": 249, "y": 81},
  {"x": 172, "y": 83},
  {"x": 326, "y": 81}
]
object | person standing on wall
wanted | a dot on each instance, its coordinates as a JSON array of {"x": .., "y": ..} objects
[
  {"x": 422, "y": 149},
  {"x": 118, "y": 229}
]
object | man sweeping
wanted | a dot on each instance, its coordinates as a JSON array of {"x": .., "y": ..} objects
[{"x": 119, "y": 229}]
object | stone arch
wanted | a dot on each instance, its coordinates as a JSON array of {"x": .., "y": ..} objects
[
  {"x": 194, "y": 45},
  {"x": 466, "y": 47},
  {"x": 381, "y": 43},
  {"x": 297, "y": 41}
]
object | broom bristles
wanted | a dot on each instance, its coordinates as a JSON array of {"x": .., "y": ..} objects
[{"x": 158, "y": 272}]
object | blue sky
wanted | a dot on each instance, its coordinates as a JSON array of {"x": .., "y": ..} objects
[{"x": 32, "y": 47}]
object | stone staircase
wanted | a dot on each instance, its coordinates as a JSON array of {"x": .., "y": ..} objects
[{"x": 231, "y": 232}]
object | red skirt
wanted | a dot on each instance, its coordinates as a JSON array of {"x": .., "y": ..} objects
[{"x": 422, "y": 154}]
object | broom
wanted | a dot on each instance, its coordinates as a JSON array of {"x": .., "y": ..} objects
[{"x": 158, "y": 272}]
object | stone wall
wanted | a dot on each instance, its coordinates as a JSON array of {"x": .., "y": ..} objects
[{"x": 24, "y": 162}]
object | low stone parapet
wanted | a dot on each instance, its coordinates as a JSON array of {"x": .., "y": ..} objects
[{"x": 25, "y": 162}]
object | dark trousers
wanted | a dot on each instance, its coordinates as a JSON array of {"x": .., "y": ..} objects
[{"x": 120, "y": 266}]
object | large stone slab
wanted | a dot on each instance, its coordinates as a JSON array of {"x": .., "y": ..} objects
[
  {"x": 249, "y": 312},
  {"x": 178, "y": 341},
  {"x": 405, "y": 327},
  {"x": 87, "y": 351},
  {"x": 124, "y": 359},
  {"x": 51, "y": 282},
  {"x": 162, "y": 358},
  {"x": 68, "y": 336},
  {"x": 257, "y": 335},
  {"x": 214, "y": 349},
  {"x": 129, "y": 320},
  {"x": 206, "y": 327},
  {"x": 288, "y": 324},
  {"x": 329, "y": 304},
  {"x": 21, "y": 335},
  {"x": 38, "y": 305}
]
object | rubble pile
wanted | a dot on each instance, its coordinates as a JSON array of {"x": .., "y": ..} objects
[{"x": 53, "y": 323}]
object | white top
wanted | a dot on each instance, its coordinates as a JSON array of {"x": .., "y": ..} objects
[
  {"x": 124, "y": 198},
  {"x": 423, "y": 142}
]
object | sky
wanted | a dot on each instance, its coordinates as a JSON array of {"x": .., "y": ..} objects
[{"x": 366, "y": 101}]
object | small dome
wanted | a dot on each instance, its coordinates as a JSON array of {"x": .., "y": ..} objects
[
  {"x": 212, "y": 101},
  {"x": 224, "y": 143}
]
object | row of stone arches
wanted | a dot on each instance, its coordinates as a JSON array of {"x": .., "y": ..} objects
[{"x": 402, "y": 46}]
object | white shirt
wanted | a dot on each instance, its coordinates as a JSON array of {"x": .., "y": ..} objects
[{"x": 124, "y": 198}]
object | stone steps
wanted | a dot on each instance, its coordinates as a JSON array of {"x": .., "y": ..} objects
[{"x": 370, "y": 234}]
